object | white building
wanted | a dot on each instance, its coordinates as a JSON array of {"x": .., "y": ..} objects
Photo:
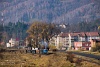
[
  {"x": 12, "y": 42},
  {"x": 68, "y": 39}
]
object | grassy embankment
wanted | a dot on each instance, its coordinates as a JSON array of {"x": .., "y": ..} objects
[{"x": 17, "y": 59}]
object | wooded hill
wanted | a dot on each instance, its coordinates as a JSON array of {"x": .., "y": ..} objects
[{"x": 18, "y": 30}]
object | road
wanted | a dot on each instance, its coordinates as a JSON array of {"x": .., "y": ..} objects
[
  {"x": 84, "y": 54},
  {"x": 88, "y": 55}
]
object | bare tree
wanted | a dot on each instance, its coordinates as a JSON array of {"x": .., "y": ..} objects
[{"x": 40, "y": 31}]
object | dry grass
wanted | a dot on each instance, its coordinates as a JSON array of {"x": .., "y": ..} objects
[{"x": 29, "y": 60}]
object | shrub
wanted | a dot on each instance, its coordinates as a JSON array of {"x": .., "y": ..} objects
[
  {"x": 77, "y": 60},
  {"x": 71, "y": 57},
  {"x": 93, "y": 49},
  {"x": 1, "y": 56},
  {"x": 52, "y": 47}
]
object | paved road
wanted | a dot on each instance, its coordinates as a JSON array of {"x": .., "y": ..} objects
[
  {"x": 88, "y": 55},
  {"x": 84, "y": 54}
]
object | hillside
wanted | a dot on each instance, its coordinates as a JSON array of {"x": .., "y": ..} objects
[{"x": 56, "y": 11}]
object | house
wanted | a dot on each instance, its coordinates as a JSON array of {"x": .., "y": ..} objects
[
  {"x": 62, "y": 26},
  {"x": 92, "y": 35},
  {"x": 85, "y": 36},
  {"x": 68, "y": 39},
  {"x": 82, "y": 45},
  {"x": 90, "y": 39},
  {"x": 12, "y": 42}
]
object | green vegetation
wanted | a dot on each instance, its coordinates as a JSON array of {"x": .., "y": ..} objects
[
  {"x": 14, "y": 30},
  {"x": 18, "y": 29},
  {"x": 84, "y": 26},
  {"x": 1, "y": 30}
]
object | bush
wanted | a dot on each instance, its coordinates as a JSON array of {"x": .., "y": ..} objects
[
  {"x": 1, "y": 56},
  {"x": 97, "y": 48},
  {"x": 2, "y": 50},
  {"x": 77, "y": 60},
  {"x": 93, "y": 49},
  {"x": 70, "y": 57},
  {"x": 52, "y": 47}
]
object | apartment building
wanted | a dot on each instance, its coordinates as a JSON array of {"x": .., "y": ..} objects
[{"x": 68, "y": 39}]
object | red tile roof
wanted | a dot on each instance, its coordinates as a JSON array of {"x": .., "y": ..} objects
[
  {"x": 81, "y": 34},
  {"x": 64, "y": 34},
  {"x": 74, "y": 34},
  {"x": 92, "y": 34}
]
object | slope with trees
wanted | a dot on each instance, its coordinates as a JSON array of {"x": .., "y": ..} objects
[{"x": 83, "y": 26}]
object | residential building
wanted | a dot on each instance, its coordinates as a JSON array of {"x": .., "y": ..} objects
[
  {"x": 82, "y": 45},
  {"x": 92, "y": 35},
  {"x": 61, "y": 40},
  {"x": 62, "y": 26},
  {"x": 12, "y": 42},
  {"x": 68, "y": 39}
]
